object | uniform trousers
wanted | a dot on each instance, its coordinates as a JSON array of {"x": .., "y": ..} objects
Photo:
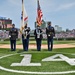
[
  {"x": 50, "y": 43},
  {"x": 13, "y": 45},
  {"x": 25, "y": 44},
  {"x": 38, "y": 42}
]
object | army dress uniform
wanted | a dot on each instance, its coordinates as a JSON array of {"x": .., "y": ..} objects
[
  {"x": 25, "y": 38},
  {"x": 38, "y": 37},
  {"x": 13, "y": 34},
  {"x": 50, "y": 34}
]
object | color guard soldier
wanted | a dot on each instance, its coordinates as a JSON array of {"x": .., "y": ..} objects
[
  {"x": 25, "y": 37},
  {"x": 38, "y": 37},
  {"x": 50, "y": 34},
  {"x": 13, "y": 35}
]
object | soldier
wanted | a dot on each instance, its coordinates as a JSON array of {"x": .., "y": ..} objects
[
  {"x": 25, "y": 37},
  {"x": 38, "y": 37},
  {"x": 50, "y": 34},
  {"x": 13, "y": 35}
]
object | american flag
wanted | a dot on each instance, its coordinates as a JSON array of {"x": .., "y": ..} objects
[
  {"x": 24, "y": 17},
  {"x": 39, "y": 14}
]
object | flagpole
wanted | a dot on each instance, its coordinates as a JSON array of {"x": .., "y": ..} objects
[
  {"x": 24, "y": 17},
  {"x": 21, "y": 19},
  {"x": 23, "y": 13}
]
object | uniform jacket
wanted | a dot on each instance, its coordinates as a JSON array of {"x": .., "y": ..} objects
[
  {"x": 13, "y": 34},
  {"x": 50, "y": 31},
  {"x": 38, "y": 34},
  {"x": 26, "y": 33}
]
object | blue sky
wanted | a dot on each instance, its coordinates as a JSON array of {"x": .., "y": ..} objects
[{"x": 59, "y": 12}]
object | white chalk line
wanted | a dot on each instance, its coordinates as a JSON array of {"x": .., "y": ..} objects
[
  {"x": 7, "y": 55},
  {"x": 28, "y": 72}
]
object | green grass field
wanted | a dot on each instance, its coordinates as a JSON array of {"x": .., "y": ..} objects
[
  {"x": 48, "y": 66},
  {"x": 43, "y": 42}
]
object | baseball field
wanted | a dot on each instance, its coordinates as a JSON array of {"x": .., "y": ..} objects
[{"x": 60, "y": 61}]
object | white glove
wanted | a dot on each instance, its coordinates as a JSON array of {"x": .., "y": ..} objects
[{"x": 9, "y": 36}]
